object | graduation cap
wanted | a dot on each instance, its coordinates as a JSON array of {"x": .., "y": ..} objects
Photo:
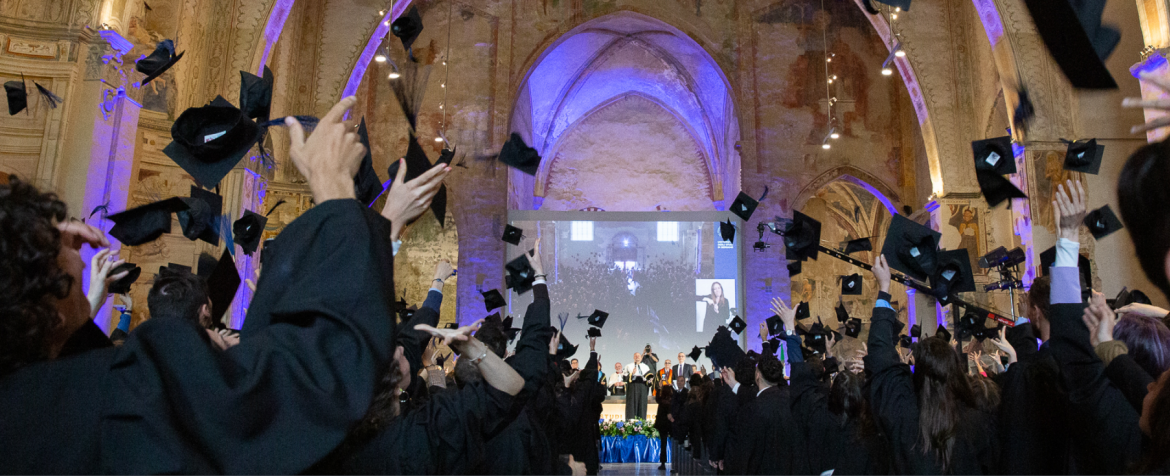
[
  {"x": 158, "y": 62},
  {"x": 512, "y": 235},
  {"x": 911, "y": 248},
  {"x": 995, "y": 188},
  {"x": 598, "y": 318},
  {"x": 916, "y": 331},
  {"x": 493, "y": 299},
  {"x": 200, "y": 221},
  {"x": 210, "y": 140},
  {"x": 802, "y": 236},
  {"x": 1084, "y": 156},
  {"x": 1102, "y": 222},
  {"x": 727, "y": 231},
  {"x": 971, "y": 322},
  {"x": 860, "y": 244},
  {"x": 493, "y": 320},
  {"x": 814, "y": 338},
  {"x": 851, "y": 285},
  {"x": 122, "y": 286},
  {"x": 446, "y": 155},
  {"x": 52, "y": 99},
  {"x": 802, "y": 311},
  {"x": 594, "y": 332},
  {"x": 853, "y": 327},
  {"x": 173, "y": 268},
  {"x": 510, "y": 331},
  {"x": 904, "y": 341},
  {"x": 775, "y": 325},
  {"x": 696, "y": 352},
  {"x": 256, "y": 95},
  {"x": 794, "y": 268},
  {"x": 994, "y": 155},
  {"x": 520, "y": 274},
  {"x": 952, "y": 275},
  {"x": 1077, "y": 40},
  {"x": 442, "y": 359},
  {"x": 1048, "y": 258},
  {"x": 205, "y": 265},
  {"x": 146, "y": 223},
  {"x": 416, "y": 164},
  {"x": 366, "y": 185},
  {"x": 565, "y": 349},
  {"x": 247, "y": 231},
  {"x": 842, "y": 314},
  {"x": 17, "y": 96},
  {"x": 744, "y": 205},
  {"x": 222, "y": 285},
  {"x": 737, "y": 325},
  {"x": 1025, "y": 111},
  {"x": 407, "y": 28},
  {"x": 942, "y": 333},
  {"x": 723, "y": 350},
  {"x": 518, "y": 155}
]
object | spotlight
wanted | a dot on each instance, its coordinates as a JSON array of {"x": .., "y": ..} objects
[
  {"x": 887, "y": 71},
  {"x": 900, "y": 54},
  {"x": 830, "y": 80}
]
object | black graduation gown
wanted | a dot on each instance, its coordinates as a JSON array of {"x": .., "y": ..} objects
[
  {"x": 84, "y": 339},
  {"x": 732, "y": 422},
  {"x": 167, "y": 401},
  {"x": 823, "y": 441},
  {"x": 1033, "y": 411},
  {"x": 1130, "y": 378},
  {"x": 890, "y": 388},
  {"x": 767, "y": 443},
  {"x": 1106, "y": 437}
]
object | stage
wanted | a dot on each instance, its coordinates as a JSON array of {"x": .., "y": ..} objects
[{"x": 614, "y": 408}]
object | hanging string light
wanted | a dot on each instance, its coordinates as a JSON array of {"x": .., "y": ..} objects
[
  {"x": 896, "y": 51},
  {"x": 829, "y": 79},
  {"x": 446, "y": 76}
]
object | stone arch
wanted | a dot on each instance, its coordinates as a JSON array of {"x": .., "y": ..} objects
[{"x": 848, "y": 173}]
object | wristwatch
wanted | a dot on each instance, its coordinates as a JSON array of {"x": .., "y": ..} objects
[{"x": 479, "y": 359}]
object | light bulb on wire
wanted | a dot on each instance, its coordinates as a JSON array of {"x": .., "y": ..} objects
[
  {"x": 887, "y": 71},
  {"x": 381, "y": 58}
]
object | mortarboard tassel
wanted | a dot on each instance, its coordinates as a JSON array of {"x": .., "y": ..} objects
[
  {"x": 274, "y": 207},
  {"x": 50, "y": 98},
  {"x": 409, "y": 89}
]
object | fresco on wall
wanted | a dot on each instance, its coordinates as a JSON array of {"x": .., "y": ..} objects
[
  {"x": 1048, "y": 170},
  {"x": 965, "y": 221}
]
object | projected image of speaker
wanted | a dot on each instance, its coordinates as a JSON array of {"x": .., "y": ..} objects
[{"x": 714, "y": 300}]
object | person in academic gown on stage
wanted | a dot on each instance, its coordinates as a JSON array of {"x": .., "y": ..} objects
[
  {"x": 316, "y": 336},
  {"x": 638, "y": 390}
]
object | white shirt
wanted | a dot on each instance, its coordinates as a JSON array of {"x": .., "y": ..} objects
[
  {"x": 762, "y": 390},
  {"x": 641, "y": 368}
]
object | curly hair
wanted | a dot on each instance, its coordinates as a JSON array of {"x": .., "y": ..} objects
[{"x": 30, "y": 278}]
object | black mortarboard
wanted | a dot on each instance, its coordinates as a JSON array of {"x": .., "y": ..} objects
[
  {"x": 696, "y": 352},
  {"x": 122, "y": 286},
  {"x": 942, "y": 333},
  {"x": 493, "y": 320},
  {"x": 248, "y": 230},
  {"x": 842, "y": 313},
  {"x": 205, "y": 265},
  {"x": 802, "y": 236},
  {"x": 510, "y": 331},
  {"x": 994, "y": 155},
  {"x": 493, "y": 299},
  {"x": 512, "y": 235},
  {"x": 200, "y": 221},
  {"x": 222, "y": 285},
  {"x": 794, "y": 268},
  {"x": 146, "y": 223},
  {"x": 174, "y": 268},
  {"x": 598, "y": 318},
  {"x": 518, "y": 155},
  {"x": 853, "y": 327},
  {"x": 971, "y": 323},
  {"x": 446, "y": 155},
  {"x": 1084, "y": 156},
  {"x": 952, "y": 275},
  {"x": 407, "y": 27},
  {"x": 210, "y": 140},
  {"x": 851, "y": 285},
  {"x": 802, "y": 311},
  {"x": 1048, "y": 258},
  {"x": 594, "y": 332},
  {"x": 898, "y": 326},
  {"x": 737, "y": 325},
  {"x": 565, "y": 349},
  {"x": 723, "y": 351},
  {"x": 904, "y": 341},
  {"x": 520, "y": 274},
  {"x": 916, "y": 331},
  {"x": 996, "y": 189},
  {"x": 1078, "y": 42},
  {"x": 366, "y": 185},
  {"x": 1102, "y": 222},
  {"x": 911, "y": 248},
  {"x": 775, "y": 325},
  {"x": 727, "y": 231},
  {"x": 417, "y": 163},
  {"x": 256, "y": 95},
  {"x": 17, "y": 96},
  {"x": 158, "y": 62},
  {"x": 743, "y": 206},
  {"x": 815, "y": 337},
  {"x": 860, "y": 244}
]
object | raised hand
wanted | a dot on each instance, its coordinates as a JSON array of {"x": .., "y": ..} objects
[
  {"x": 1004, "y": 346},
  {"x": 406, "y": 201},
  {"x": 1099, "y": 319},
  {"x": 728, "y": 375},
  {"x": 1069, "y": 210},
  {"x": 763, "y": 331},
  {"x": 1161, "y": 104},
  {"x": 451, "y": 336},
  {"x": 99, "y": 278},
  {"x": 1139, "y": 309},
  {"x": 75, "y": 233},
  {"x": 534, "y": 259},
  {"x": 444, "y": 270},
  {"x": 881, "y": 271},
  {"x": 330, "y": 157},
  {"x": 787, "y": 314}
]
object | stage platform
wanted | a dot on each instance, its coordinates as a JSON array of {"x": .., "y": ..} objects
[{"x": 614, "y": 408}]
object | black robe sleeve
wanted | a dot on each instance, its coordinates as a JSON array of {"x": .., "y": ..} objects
[
  {"x": 317, "y": 334},
  {"x": 893, "y": 401},
  {"x": 414, "y": 342},
  {"x": 532, "y": 361},
  {"x": 1130, "y": 378},
  {"x": 1107, "y": 437},
  {"x": 1023, "y": 339},
  {"x": 86, "y": 338}
]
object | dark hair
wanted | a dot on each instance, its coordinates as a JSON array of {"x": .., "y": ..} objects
[
  {"x": 771, "y": 370},
  {"x": 466, "y": 373},
  {"x": 1038, "y": 294},
  {"x": 177, "y": 295},
  {"x": 30, "y": 277},
  {"x": 664, "y": 395},
  {"x": 383, "y": 409},
  {"x": 941, "y": 383},
  {"x": 494, "y": 339},
  {"x": 986, "y": 391},
  {"x": 1148, "y": 341},
  {"x": 847, "y": 401},
  {"x": 1143, "y": 197},
  {"x": 1159, "y": 422}
]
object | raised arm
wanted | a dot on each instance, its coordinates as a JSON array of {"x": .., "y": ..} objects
[
  {"x": 413, "y": 341},
  {"x": 532, "y": 351},
  {"x": 882, "y": 351}
]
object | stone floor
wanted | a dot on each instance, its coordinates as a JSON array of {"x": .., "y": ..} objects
[{"x": 639, "y": 469}]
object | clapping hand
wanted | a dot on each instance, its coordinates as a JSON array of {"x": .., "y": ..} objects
[
  {"x": 1139, "y": 309},
  {"x": 1099, "y": 319}
]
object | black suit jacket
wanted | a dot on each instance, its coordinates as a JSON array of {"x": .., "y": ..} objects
[{"x": 767, "y": 442}]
